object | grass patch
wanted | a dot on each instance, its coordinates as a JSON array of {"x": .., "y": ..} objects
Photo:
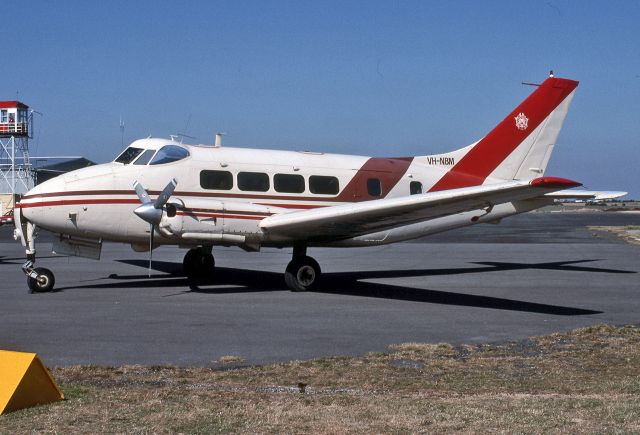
[
  {"x": 581, "y": 381},
  {"x": 230, "y": 359},
  {"x": 628, "y": 233}
]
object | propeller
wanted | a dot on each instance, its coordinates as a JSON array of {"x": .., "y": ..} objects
[{"x": 151, "y": 211}]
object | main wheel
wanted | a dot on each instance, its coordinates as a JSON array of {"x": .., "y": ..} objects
[
  {"x": 197, "y": 264},
  {"x": 43, "y": 283},
  {"x": 302, "y": 274}
]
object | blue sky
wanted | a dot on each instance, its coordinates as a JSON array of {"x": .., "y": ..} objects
[{"x": 373, "y": 78}]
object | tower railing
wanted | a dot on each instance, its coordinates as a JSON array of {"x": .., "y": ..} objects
[{"x": 21, "y": 128}]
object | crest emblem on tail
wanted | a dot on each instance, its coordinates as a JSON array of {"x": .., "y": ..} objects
[{"x": 521, "y": 121}]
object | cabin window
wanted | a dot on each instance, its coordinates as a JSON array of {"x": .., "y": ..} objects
[
  {"x": 288, "y": 183},
  {"x": 3, "y": 117},
  {"x": 168, "y": 154},
  {"x": 323, "y": 185},
  {"x": 128, "y": 155},
  {"x": 145, "y": 157},
  {"x": 374, "y": 187},
  {"x": 415, "y": 188},
  {"x": 253, "y": 181},
  {"x": 216, "y": 180}
]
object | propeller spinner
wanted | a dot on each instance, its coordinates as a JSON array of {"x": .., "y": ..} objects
[{"x": 151, "y": 211}]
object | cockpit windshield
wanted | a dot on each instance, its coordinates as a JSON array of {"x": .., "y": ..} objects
[
  {"x": 168, "y": 154},
  {"x": 128, "y": 155},
  {"x": 141, "y": 156},
  {"x": 145, "y": 157}
]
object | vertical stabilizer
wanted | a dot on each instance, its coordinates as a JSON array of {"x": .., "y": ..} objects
[{"x": 520, "y": 146}]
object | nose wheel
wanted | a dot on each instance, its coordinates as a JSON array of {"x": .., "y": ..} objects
[
  {"x": 303, "y": 272},
  {"x": 40, "y": 280}
]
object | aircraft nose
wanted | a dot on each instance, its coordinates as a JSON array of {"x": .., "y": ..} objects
[
  {"x": 53, "y": 185},
  {"x": 37, "y": 205}
]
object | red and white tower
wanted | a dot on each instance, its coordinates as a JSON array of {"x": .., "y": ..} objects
[{"x": 16, "y": 125}]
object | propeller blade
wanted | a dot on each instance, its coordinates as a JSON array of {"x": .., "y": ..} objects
[
  {"x": 143, "y": 196},
  {"x": 151, "y": 248},
  {"x": 166, "y": 193},
  {"x": 152, "y": 211}
]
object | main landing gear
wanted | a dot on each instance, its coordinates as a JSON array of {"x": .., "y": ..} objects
[
  {"x": 198, "y": 263},
  {"x": 303, "y": 272}
]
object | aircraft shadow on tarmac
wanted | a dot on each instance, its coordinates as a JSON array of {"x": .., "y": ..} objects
[
  {"x": 20, "y": 260},
  {"x": 231, "y": 280}
]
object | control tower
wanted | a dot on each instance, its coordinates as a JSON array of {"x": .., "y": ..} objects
[{"x": 16, "y": 126}]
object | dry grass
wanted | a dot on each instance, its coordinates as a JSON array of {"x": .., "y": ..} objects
[
  {"x": 628, "y": 233},
  {"x": 230, "y": 359},
  {"x": 583, "y": 381}
]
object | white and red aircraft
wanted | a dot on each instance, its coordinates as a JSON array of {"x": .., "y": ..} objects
[{"x": 265, "y": 198}]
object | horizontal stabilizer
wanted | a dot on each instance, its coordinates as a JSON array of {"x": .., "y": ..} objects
[{"x": 598, "y": 195}]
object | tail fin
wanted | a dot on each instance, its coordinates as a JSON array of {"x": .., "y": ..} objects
[{"x": 520, "y": 146}]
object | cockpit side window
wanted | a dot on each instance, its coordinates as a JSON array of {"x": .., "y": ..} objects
[
  {"x": 128, "y": 155},
  {"x": 145, "y": 157},
  {"x": 168, "y": 154}
]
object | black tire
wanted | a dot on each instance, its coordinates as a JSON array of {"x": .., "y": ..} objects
[
  {"x": 44, "y": 282},
  {"x": 197, "y": 264},
  {"x": 302, "y": 274}
]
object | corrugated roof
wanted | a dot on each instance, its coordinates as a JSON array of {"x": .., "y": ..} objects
[
  {"x": 62, "y": 166},
  {"x": 11, "y": 104}
]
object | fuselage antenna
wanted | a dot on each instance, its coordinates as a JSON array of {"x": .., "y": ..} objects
[
  {"x": 218, "y": 142},
  {"x": 121, "y": 132}
]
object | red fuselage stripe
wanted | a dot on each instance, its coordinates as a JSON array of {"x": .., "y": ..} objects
[
  {"x": 136, "y": 201},
  {"x": 388, "y": 170},
  {"x": 181, "y": 193},
  {"x": 230, "y": 214},
  {"x": 76, "y": 201},
  {"x": 223, "y": 215}
]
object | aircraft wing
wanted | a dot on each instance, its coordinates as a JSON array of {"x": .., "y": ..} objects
[{"x": 351, "y": 220}]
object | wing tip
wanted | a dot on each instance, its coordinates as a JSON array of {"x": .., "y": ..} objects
[{"x": 554, "y": 182}]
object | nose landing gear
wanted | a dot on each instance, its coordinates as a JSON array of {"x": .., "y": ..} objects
[{"x": 39, "y": 279}]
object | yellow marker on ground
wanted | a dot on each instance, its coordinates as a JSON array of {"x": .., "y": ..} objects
[{"x": 25, "y": 382}]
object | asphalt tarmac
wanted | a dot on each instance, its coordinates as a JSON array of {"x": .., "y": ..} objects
[{"x": 533, "y": 274}]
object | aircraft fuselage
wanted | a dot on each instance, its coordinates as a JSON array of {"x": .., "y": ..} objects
[{"x": 98, "y": 201}]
